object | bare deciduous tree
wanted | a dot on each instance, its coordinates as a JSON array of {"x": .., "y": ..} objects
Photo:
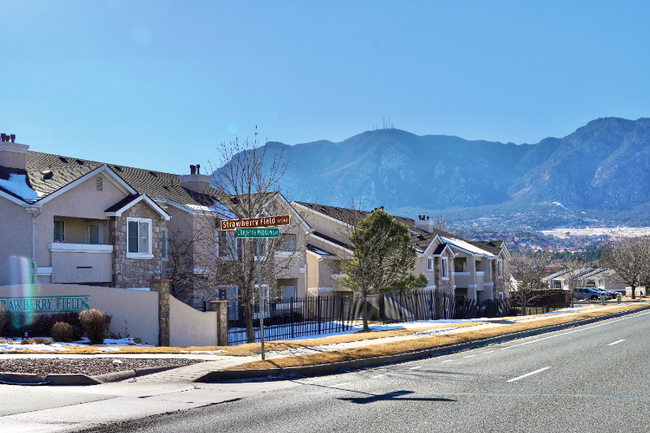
[
  {"x": 527, "y": 273},
  {"x": 248, "y": 181},
  {"x": 630, "y": 259},
  {"x": 573, "y": 270}
]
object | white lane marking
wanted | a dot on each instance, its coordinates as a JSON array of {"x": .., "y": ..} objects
[
  {"x": 616, "y": 342},
  {"x": 448, "y": 360},
  {"x": 485, "y": 353},
  {"x": 415, "y": 368},
  {"x": 339, "y": 384},
  {"x": 529, "y": 374},
  {"x": 469, "y": 356},
  {"x": 576, "y": 330},
  {"x": 378, "y": 376}
]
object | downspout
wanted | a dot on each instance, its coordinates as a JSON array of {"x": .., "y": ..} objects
[{"x": 34, "y": 211}]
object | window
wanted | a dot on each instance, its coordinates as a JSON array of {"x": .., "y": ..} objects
[
  {"x": 138, "y": 238},
  {"x": 95, "y": 232},
  {"x": 444, "y": 265},
  {"x": 478, "y": 265},
  {"x": 500, "y": 268},
  {"x": 227, "y": 244},
  {"x": 163, "y": 243},
  {"x": 288, "y": 243},
  {"x": 59, "y": 231},
  {"x": 429, "y": 264},
  {"x": 460, "y": 264}
]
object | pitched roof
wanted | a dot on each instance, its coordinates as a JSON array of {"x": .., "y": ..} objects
[
  {"x": 49, "y": 173},
  {"x": 419, "y": 238}
]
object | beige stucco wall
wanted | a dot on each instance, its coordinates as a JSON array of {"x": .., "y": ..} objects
[
  {"x": 81, "y": 202},
  {"x": 82, "y": 267},
  {"x": 15, "y": 243},
  {"x": 134, "y": 312},
  {"x": 190, "y": 327}
]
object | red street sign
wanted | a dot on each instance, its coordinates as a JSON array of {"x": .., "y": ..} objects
[{"x": 270, "y": 221}]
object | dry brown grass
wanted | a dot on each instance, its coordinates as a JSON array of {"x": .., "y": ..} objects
[{"x": 504, "y": 327}]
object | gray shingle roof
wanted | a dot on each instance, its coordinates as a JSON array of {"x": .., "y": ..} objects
[{"x": 419, "y": 238}]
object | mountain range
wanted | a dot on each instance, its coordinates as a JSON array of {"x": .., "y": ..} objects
[{"x": 599, "y": 174}]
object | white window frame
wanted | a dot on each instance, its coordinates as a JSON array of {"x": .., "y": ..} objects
[
  {"x": 98, "y": 224},
  {"x": 499, "y": 268},
  {"x": 62, "y": 231},
  {"x": 444, "y": 268},
  {"x": 164, "y": 244},
  {"x": 430, "y": 264},
  {"x": 139, "y": 255}
]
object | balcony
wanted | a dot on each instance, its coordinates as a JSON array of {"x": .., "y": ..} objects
[
  {"x": 462, "y": 279},
  {"x": 81, "y": 263}
]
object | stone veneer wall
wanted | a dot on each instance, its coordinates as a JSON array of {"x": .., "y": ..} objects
[
  {"x": 135, "y": 272},
  {"x": 164, "y": 322},
  {"x": 444, "y": 286}
]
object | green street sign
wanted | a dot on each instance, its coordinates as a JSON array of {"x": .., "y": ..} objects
[{"x": 271, "y": 232}]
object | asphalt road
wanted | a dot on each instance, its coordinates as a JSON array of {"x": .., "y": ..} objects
[{"x": 588, "y": 379}]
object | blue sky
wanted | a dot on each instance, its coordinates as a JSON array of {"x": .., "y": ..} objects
[{"x": 160, "y": 84}]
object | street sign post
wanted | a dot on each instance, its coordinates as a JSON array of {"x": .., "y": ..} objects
[
  {"x": 271, "y": 232},
  {"x": 260, "y": 229}
]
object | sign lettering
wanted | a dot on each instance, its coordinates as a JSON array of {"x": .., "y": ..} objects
[
  {"x": 46, "y": 304},
  {"x": 271, "y": 221}
]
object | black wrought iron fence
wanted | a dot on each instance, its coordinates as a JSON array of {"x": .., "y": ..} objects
[{"x": 334, "y": 314}]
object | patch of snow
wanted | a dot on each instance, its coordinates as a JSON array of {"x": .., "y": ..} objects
[
  {"x": 17, "y": 184},
  {"x": 467, "y": 247}
]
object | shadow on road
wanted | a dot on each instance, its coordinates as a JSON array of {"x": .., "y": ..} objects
[{"x": 391, "y": 396}]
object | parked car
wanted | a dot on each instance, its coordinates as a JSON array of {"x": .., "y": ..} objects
[
  {"x": 609, "y": 294},
  {"x": 584, "y": 293}
]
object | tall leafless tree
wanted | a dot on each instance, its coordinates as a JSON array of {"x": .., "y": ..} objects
[
  {"x": 630, "y": 259},
  {"x": 526, "y": 280}
]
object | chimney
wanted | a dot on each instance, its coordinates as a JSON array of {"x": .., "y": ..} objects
[
  {"x": 12, "y": 154},
  {"x": 424, "y": 223},
  {"x": 195, "y": 181}
]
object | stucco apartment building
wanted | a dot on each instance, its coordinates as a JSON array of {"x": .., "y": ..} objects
[
  {"x": 466, "y": 270},
  {"x": 67, "y": 220}
]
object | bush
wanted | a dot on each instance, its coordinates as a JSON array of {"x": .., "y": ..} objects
[
  {"x": 62, "y": 332},
  {"x": 95, "y": 323},
  {"x": 44, "y": 322}
]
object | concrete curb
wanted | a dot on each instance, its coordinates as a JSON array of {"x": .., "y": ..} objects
[
  {"x": 77, "y": 379},
  {"x": 323, "y": 369}
]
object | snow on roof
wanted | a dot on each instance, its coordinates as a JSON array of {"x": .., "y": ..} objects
[
  {"x": 467, "y": 246},
  {"x": 17, "y": 184}
]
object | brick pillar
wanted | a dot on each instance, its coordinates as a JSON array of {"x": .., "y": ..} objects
[
  {"x": 221, "y": 307},
  {"x": 164, "y": 328}
]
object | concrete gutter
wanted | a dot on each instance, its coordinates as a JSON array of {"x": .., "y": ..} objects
[{"x": 339, "y": 367}]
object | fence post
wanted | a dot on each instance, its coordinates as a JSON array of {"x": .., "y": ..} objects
[
  {"x": 318, "y": 309},
  {"x": 291, "y": 312},
  {"x": 221, "y": 307}
]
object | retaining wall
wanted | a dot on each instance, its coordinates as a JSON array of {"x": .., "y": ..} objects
[{"x": 135, "y": 312}]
